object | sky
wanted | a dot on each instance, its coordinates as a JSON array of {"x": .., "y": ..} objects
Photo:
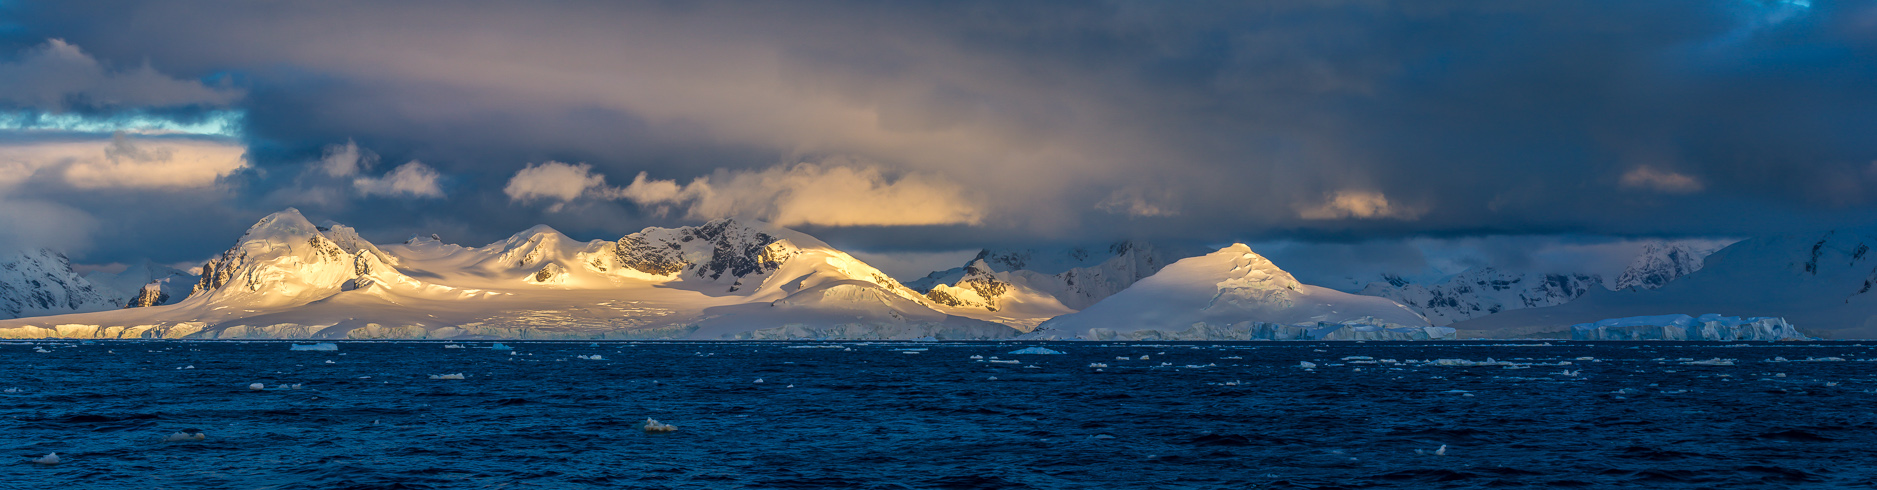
[{"x": 1358, "y": 135}]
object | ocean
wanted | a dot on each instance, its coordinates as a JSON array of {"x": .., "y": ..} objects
[{"x": 956, "y": 415}]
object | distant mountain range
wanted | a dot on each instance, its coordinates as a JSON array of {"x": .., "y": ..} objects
[
  {"x": 1483, "y": 291},
  {"x": 726, "y": 279},
  {"x": 734, "y": 279}
]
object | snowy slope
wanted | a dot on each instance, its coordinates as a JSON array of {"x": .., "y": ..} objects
[
  {"x": 1821, "y": 282},
  {"x": 1233, "y": 288},
  {"x": 725, "y": 279},
  {"x": 145, "y": 284},
  {"x": 41, "y": 282},
  {"x": 1484, "y": 291},
  {"x": 1023, "y": 287}
]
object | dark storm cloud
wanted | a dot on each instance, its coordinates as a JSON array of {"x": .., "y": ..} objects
[{"x": 1043, "y": 122}]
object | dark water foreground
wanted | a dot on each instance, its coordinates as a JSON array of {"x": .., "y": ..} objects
[{"x": 1194, "y": 415}]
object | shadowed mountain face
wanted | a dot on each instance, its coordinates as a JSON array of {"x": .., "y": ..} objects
[
  {"x": 41, "y": 282},
  {"x": 1821, "y": 282}
]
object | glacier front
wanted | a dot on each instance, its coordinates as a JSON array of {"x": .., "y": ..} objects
[{"x": 1683, "y": 327}]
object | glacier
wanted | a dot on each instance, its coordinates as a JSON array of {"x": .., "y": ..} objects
[{"x": 1684, "y": 327}]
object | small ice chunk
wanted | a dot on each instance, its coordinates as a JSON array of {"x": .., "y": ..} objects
[
  {"x": 49, "y": 458},
  {"x": 322, "y": 346},
  {"x": 656, "y": 426},
  {"x": 1097, "y": 365},
  {"x": 500, "y": 346},
  {"x": 447, "y": 376},
  {"x": 186, "y": 436},
  {"x": 257, "y": 387},
  {"x": 1307, "y": 365},
  {"x": 1711, "y": 362},
  {"x": 452, "y": 346},
  {"x": 328, "y": 361},
  {"x": 758, "y": 380},
  {"x": 1036, "y": 350}
]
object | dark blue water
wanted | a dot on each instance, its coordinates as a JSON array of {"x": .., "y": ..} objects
[{"x": 869, "y": 416}]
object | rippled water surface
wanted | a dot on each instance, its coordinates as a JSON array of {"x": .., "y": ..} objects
[{"x": 878, "y": 415}]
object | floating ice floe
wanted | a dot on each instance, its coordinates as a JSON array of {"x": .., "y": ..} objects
[
  {"x": 14, "y": 390},
  {"x": 978, "y": 357},
  {"x": 41, "y": 350},
  {"x": 328, "y": 361},
  {"x": 49, "y": 458},
  {"x": 1710, "y": 362},
  {"x": 1036, "y": 350},
  {"x": 322, "y": 346},
  {"x": 1097, "y": 365},
  {"x": 1437, "y": 452},
  {"x": 500, "y": 346},
  {"x": 595, "y": 357},
  {"x": 1010, "y": 361},
  {"x": 1307, "y": 365},
  {"x": 758, "y": 380},
  {"x": 656, "y": 426},
  {"x": 257, "y": 387},
  {"x": 186, "y": 436},
  {"x": 447, "y": 376},
  {"x": 452, "y": 346}
]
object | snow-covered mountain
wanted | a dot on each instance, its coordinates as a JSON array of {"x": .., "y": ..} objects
[
  {"x": 1484, "y": 291},
  {"x": 287, "y": 278},
  {"x": 1023, "y": 287},
  {"x": 1661, "y": 262},
  {"x": 145, "y": 284},
  {"x": 1821, "y": 282},
  {"x": 41, "y": 282},
  {"x": 1231, "y": 291}
]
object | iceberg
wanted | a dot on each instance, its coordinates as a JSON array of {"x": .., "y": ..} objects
[
  {"x": 1366, "y": 328},
  {"x": 656, "y": 426},
  {"x": 322, "y": 346},
  {"x": 1684, "y": 327},
  {"x": 1036, "y": 350}
]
